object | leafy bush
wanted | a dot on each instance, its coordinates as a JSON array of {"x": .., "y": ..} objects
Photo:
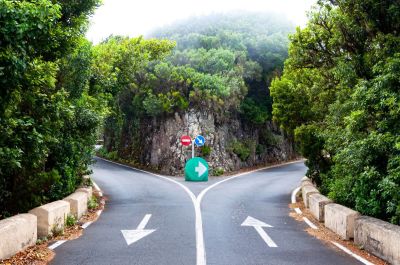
[
  {"x": 71, "y": 220},
  {"x": 206, "y": 150},
  {"x": 218, "y": 171},
  {"x": 102, "y": 152},
  {"x": 241, "y": 150},
  {"x": 340, "y": 97},
  {"x": 48, "y": 115},
  {"x": 93, "y": 203},
  {"x": 254, "y": 112},
  {"x": 112, "y": 155}
]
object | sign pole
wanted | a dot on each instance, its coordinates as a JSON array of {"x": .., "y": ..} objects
[
  {"x": 192, "y": 148},
  {"x": 186, "y": 140}
]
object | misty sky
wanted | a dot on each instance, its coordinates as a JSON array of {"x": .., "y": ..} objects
[{"x": 133, "y": 18}]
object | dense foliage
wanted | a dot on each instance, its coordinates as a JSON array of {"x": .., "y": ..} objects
[
  {"x": 339, "y": 95},
  {"x": 48, "y": 115},
  {"x": 219, "y": 63},
  {"x": 250, "y": 47}
]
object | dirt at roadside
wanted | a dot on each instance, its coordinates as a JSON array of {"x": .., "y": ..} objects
[
  {"x": 40, "y": 254},
  {"x": 327, "y": 236}
]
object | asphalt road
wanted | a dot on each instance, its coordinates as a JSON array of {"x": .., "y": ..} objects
[{"x": 198, "y": 223}]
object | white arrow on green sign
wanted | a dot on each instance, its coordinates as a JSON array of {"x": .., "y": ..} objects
[{"x": 196, "y": 169}]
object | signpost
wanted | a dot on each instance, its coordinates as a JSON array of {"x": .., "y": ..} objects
[
  {"x": 186, "y": 140},
  {"x": 196, "y": 169},
  {"x": 200, "y": 140}
]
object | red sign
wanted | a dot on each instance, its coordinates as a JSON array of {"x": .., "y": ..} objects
[{"x": 186, "y": 140}]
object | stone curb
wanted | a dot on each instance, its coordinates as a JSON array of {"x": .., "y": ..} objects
[
  {"x": 22, "y": 231},
  {"x": 88, "y": 191},
  {"x": 17, "y": 233},
  {"x": 51, "y": 217},
  {"x": 78, "y": 203},
  {"x": 377, "y": 237},
  {"x": 340, "y": 220},
  {"x": 306, "y": 191},
  {"x": 317, "y": 204}
]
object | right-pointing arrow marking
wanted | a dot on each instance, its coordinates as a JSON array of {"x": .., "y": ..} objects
[
  {"x": 131, "y": 236},
  {"x": 258, "y": 226},
  {"x": 200, "y": 169}
]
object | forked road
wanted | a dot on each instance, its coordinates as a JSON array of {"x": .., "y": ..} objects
[{"x": 242, "y": 220}]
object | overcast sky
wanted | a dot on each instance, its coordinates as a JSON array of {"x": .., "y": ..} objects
[{"x": 133, "y": 18}]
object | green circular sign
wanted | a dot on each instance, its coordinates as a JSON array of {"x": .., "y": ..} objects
[{"x": 196, "y": 169}]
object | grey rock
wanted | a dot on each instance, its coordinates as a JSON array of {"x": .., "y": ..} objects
[{"x": 160, "y": 146}]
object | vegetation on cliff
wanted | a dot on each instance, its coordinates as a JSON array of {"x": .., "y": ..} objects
[
  {"x": 219, "y": 63},
  {"x": 247, "y": 46},
  {"x": 339, "y": 95}
]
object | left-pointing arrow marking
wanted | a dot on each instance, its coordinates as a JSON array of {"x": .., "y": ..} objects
[
  {"x": 258, "y": 226},
  {"x": 131, "y": 236}
]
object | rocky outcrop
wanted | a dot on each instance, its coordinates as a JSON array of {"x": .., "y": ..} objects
[{"x": 160, "y": 146}]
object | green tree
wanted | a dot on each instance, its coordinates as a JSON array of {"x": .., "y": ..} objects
[
  {"x": 338, "y": 95},
  {"x": 214, "y": 63},
  {"x": 46, "y": 124},
  {"x": 249, "y": 47}
]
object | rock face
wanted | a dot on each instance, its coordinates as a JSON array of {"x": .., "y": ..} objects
[{"x": 160, "y": 146}]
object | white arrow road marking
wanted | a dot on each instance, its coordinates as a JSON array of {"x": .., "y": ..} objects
[
  {"x": 258, "y": 226},
  {"x": 131, "y": 236},
  {"x": 144, "y": 222},
  {"x": 201, "y": 169},
  {"x": 265, "y": 237},
  {"x": 250, "y": 221}
]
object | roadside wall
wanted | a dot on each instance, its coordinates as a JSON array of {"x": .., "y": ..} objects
[
  {"x": 378, "y": 237},
  {"x": 22, "y": 231}
]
